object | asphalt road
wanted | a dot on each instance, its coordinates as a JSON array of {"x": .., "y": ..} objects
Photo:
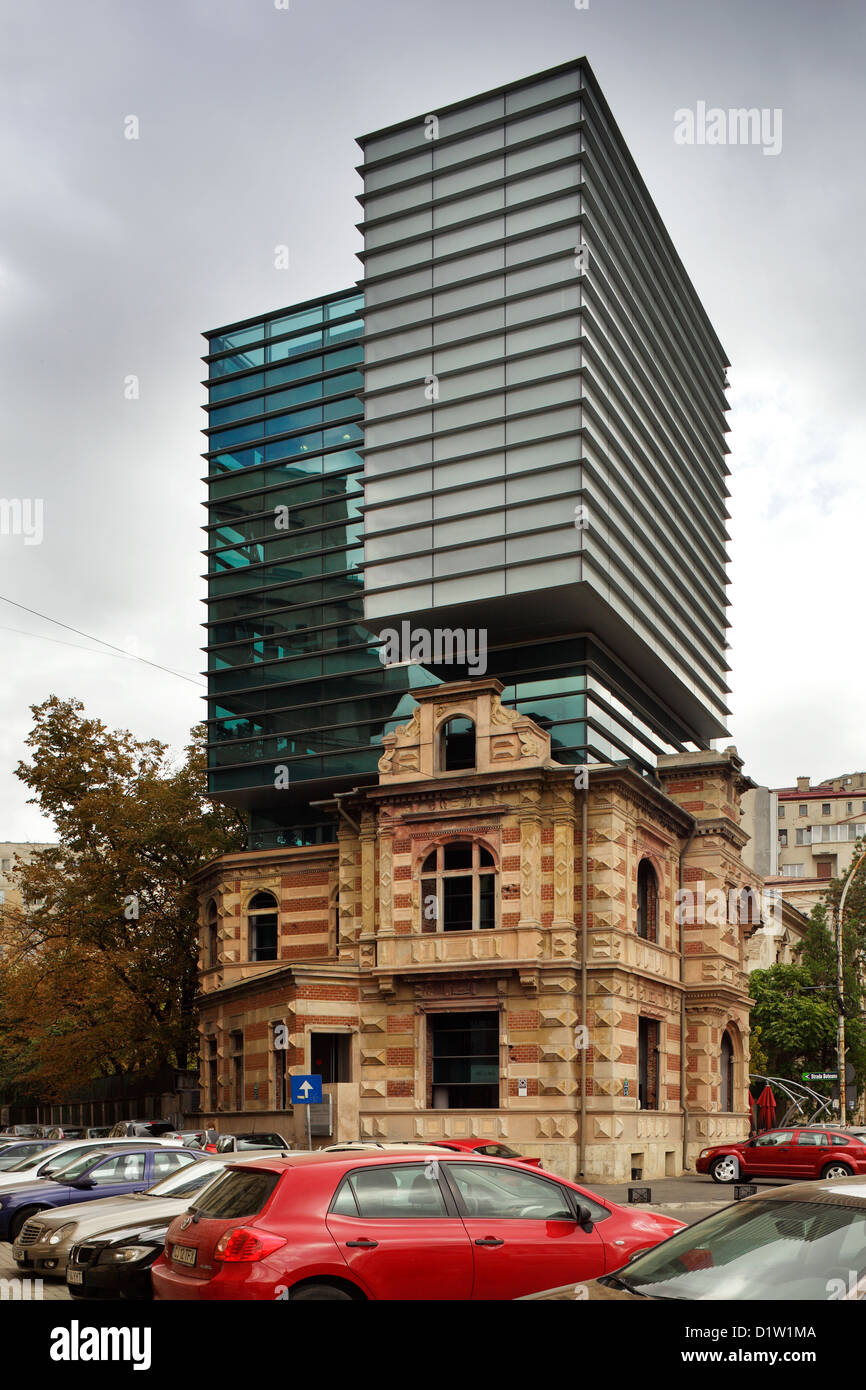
[{"x": 689, "y": 1198}]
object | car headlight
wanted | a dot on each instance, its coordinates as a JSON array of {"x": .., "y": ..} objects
[
  {"x": 127, "y": 1254},
  {"x": 62, "y": 1233},
  {"x": 704, "y": 1153}
]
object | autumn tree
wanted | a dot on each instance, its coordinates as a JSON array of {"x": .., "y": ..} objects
[{"x": 98, "y": 969}]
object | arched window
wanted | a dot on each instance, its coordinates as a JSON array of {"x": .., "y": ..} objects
[
  {"x": 456, "y": 745},
  {"x": 727, "y": 1064},
  {"x": 647, "y": 901},
  {"x": 211, "y": 953},
  {"x": 458, "y": 888},
  {"x": 262, "y": 923}
]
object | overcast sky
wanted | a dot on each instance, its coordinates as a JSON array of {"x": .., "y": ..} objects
[{"x": 115, "y": 254}]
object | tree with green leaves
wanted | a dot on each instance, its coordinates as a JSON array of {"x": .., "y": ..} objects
[
  {"x": 795, "y": 1014},
  {"x": 98, "y": 969}
]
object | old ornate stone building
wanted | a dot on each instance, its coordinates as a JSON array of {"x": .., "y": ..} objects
[{"x": 494, "y": 948}]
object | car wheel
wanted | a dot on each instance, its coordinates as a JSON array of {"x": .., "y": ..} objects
[
  {"x": 837, "y": 1170},
  {"x": 725, "y": 1169},
  {"x": 327, "y": 1293},
  {"x": 17, "y": 1221}
]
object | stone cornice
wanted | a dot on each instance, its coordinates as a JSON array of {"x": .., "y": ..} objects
[
  {"x": 722, "y": 825},
  {"x": 288, "y": 975},
  {"x": 242, "y": 858}
]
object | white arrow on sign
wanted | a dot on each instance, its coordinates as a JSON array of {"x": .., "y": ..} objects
[{"x": 305, "y": 1088}]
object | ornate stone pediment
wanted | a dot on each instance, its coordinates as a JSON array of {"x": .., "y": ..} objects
[{"x": 504, "y": 739}]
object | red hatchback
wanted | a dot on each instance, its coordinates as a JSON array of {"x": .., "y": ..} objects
[
  {"x": 340, "y": 1226},
  {"x": 786, "y": 1153}
]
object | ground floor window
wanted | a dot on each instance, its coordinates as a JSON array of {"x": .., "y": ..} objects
[
  {"x": 463, "y": 1067},
  {"x": 648, "y": 1064},
  {"x": 330, "y": 1056},
  {"x": 237, "y": 1045},
  {"x": 727, "y": 1089},
  {"x": 281, "y": 1072},
  {"x": 212, "y": 1072}
]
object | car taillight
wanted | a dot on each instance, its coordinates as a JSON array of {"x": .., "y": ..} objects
[{"x": 243, "y": 1246}]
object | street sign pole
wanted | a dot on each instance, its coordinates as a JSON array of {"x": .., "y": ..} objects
[
  {"x": 840, "y": 1034},
  {"x": 307, "y": 1091}
]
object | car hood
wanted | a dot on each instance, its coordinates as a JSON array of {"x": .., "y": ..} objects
[
  {"x": 590, "y": 1292},
  {"x": 9, "y": 1180},
  {"x": 133, "y": 1232},
  {"x": 106, "y": 1213},
  {"x": 36, "y": 1187}
]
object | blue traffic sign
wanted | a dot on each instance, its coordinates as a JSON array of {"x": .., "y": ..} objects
[{"x": 306, "y": 1090}]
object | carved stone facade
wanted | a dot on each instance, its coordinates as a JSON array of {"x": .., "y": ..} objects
[{"x": 359, "y": 956}]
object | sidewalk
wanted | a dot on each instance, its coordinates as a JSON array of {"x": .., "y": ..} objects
[{"x": 689, "y": 1198}]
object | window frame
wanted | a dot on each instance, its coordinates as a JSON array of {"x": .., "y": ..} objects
[
  {"x": 450, "y": 1213},
  {"x": 529, "y": 1175},
  {"x": 437, "y": 878},
  {"x": 252, "y": 914}
]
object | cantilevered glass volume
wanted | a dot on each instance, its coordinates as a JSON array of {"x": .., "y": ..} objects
[{"x": 298, "y": 697}]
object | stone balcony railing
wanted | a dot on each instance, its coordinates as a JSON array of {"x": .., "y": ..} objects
[{"x": 445, "y": 950}]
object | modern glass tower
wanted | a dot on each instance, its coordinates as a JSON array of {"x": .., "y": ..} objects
[
  {"x": 515, "y": 423},
  {"x": 536, "y": 356}
]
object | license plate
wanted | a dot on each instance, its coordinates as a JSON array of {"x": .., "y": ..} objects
[
  {"x": 184, "y": 1254},
  {"x": 75, "y": 1276},
  {"x": 19, "y": 1253}
]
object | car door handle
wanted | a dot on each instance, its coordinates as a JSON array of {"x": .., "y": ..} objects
[
  {"x": 490, "y": 1240},
  {"x": 362, "y": 1244}
]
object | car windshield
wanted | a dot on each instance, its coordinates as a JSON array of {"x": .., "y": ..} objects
[
  {"x": 762, "y": 1249},
  {"x": 18, "y": 1154},
  {"x": 189, "y": 1179},
  {"x": 31, "y": 1161},
  {"x": 77, "y": 1166}
]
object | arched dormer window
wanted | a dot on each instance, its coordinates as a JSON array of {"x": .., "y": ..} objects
[
  {"x": 262, "y": 926},
  {"x": 458, "y": 888},
  {"x": 211, "y": 949},
  {"x": 457, "y": 745},
  {"x": 647, "y": 901}
]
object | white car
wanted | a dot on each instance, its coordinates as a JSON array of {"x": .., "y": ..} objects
[{"x": 48, "y": 1161}]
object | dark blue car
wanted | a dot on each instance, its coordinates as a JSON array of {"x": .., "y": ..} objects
[{"x": 106, "y": 1173}]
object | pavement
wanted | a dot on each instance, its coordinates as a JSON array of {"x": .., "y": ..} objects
[{"x": 26, "y": 1286}]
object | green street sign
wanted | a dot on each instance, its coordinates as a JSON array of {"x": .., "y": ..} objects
[{"x": 820, "y": 1076}]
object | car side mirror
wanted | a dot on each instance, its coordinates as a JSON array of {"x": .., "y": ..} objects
[
  {"x": 584, "y": 1217},
  {"x": 84, "y": 1184}
]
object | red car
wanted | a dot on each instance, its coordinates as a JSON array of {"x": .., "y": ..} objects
[
  {"x": 342, "y": 1226},
  {"x": 486, "y": 1147},
  {"x": 786, "y": 1153}
]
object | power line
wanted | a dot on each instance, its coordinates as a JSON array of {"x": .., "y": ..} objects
[
  {"x": 78, "y": 632},
  {"x": 76, "y": 646}
]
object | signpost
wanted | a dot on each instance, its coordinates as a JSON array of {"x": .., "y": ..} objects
[
  {"x": 307, "y": 1090},
  {"x": 820, "y": 1076}
]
